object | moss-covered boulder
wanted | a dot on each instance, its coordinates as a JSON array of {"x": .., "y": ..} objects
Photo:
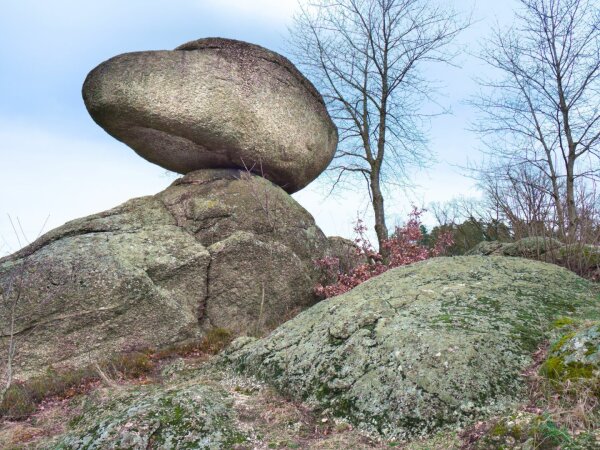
[
  {"x": 575, "y": 355},
  {"x": 486, "y": 248},
  {"x": 193, "y": 417},
  {"x": 584, "y": 259},
  {"x": 420, "y": 347},
  {"x": 531, "y": 247}
]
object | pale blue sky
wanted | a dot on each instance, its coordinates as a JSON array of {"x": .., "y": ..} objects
[{"x": 57, "y": 162}]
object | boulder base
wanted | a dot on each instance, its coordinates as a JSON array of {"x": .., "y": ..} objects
[{"x": 219, "y": 248}]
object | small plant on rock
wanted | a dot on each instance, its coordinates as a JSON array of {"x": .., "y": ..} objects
[{"x": 404, "y": 246}]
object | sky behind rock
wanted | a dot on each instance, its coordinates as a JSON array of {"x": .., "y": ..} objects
[{"x": 58, "y": 164}]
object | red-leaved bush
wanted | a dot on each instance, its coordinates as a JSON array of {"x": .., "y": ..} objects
[{"x": 405, "y": 246}]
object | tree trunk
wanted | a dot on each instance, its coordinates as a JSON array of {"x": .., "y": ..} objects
[
  {"x": 378, "y": 209},
  {"x": 560, "y": 214},
  {"x": 565, "y": 109},
  {"x": 571, "y": 208}
]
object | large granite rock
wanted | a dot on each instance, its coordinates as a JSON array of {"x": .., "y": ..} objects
[
  {"x": 219, "y": 248},
  {"x": 347, "y": 253},
  {"x": 215, "y": 103},
  {"x": 435, "y": 344}
]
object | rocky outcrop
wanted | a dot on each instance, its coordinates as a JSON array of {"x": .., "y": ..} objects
[
  {"x": 575, "y": 355},
  {"x": 223, "y": 247},
  {"x": 584, "y": 259},
  {"x": 189, "y": 407},
  {"x": 219, "y": 248},
  {"x": 195, "y": 416},
  {"x": 531, "y": 247},
  {"x": 421, "y": 347},
  {"x": 215, "y": 103}
]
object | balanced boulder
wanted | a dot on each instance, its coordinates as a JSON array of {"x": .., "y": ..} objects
[{"x": 215, "y": 103}]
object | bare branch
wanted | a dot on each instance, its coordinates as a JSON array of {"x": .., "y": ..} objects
[{"x": 365, "y": 57}]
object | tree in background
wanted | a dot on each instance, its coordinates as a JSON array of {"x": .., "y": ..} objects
[
  {"x": 541, "y": 120},
  {"x": 468, "y": 221},
  {"x": 522, "y": 197},
  {"x": 366, "y": 56},
  {"x": 405, "y": 246}
]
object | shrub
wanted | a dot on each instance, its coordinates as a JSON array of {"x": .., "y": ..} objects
[
  {"x": 405, "y": 246},
  {"x": 216, "y": 340}
]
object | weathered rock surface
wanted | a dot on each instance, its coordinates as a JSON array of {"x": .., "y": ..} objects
[
  {"x": 531, "y": 247},
  {"x": 434, "y": 344},
  {"x": 215, "y": 103},
  {"x": 581, "y": 258},
  {"x": 219, "y": 248},
  {"x": 195, "y": 416},
  {"x": 575, "y": 355},
  {"x": 346, "y": 251},
  {"x": 194, "y": 409}
]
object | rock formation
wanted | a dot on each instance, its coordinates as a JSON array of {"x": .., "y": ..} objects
[
  {"x": 194, "y": 416},
  {"x": 421, "y": 347},
  {"x": 417, "y": 351},
  {"x": 218, "y": 248},
  {"x": 221, "y": 247},
  {"x": 530, "y": 247},
  {"x": 347, "y": 253},
  {"x": 215, "y": 103},
  {"x": 582, "y": 258}
]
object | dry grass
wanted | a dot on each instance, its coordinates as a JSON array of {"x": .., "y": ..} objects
[
  {"x": 213, "y": 342},
  {"x": 23, "y": 398},
  {"x": 274, "y": 421},
  {"x": 556, "y": 414},
  {"x": 50, "y": 419}
]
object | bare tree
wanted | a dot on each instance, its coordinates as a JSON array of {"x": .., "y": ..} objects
[
  {"x": 10, "y": 296},
  {"x": 12, "y": 292},
  {"x": 544, "y": 111},
  {"x": 366, "y": 58},
  {"x": 470, "y": 220},
  {"x": 522, "y": 197}
]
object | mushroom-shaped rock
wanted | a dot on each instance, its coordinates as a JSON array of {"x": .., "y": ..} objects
[{"x": 215, "y": 103}]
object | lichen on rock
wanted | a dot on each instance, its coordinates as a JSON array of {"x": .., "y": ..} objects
[
  {"x": 218, "y": 248},
  {"x": 421, "y": 347},
  {"x": 196, "y": 416},
  {"x": 574, "y": 355}
]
